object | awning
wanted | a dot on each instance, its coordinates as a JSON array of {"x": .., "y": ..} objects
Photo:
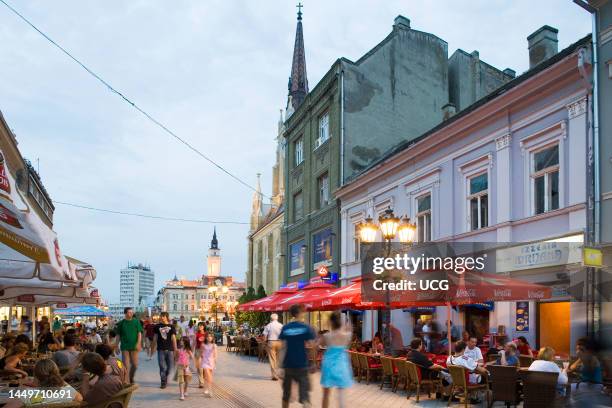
[
  {"x": 29, "y": 249},
  {"x": 268, "y": 303},
  {"x": 309, "y": 296},
  {"x": 81, "y": 311}
]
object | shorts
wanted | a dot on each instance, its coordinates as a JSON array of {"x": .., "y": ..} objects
[{"x": 183, "y": 374}]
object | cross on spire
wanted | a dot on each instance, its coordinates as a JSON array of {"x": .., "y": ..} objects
[{"x": 299, "y": 7}]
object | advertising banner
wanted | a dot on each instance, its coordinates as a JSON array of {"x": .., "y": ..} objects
[
  {"x": 297, "y": 251},
  {"x": 322, "y": 248}
]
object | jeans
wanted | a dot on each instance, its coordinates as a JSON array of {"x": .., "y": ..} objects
[
  {"x": 165, "y": 359},
  {"x": 299, "y": 375}
]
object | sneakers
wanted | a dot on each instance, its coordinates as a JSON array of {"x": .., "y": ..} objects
[
  {"x": 163, "y": 385},
  {"x": 182, "y": 398}
]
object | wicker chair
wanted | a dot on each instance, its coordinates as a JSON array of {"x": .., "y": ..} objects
[
  {"x": 504, "y": 387},
  {"x": 460, "y": 384},
  {"x": 525, "y": 361},
  {"x": 262, "y": 351},
  {"x": 230, "y": 343},
  {"x": 389, "y": 375},
  {"x": 539, "y": 388},
  {"x": 415, "y": 380},
  {"x": 403, "y": 376},
  {"x": 355, "y": 364},
  {"x": 119, "y": 400},
  {"x": 368, "y": 367}
]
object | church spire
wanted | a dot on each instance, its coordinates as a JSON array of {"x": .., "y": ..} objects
[
  {"x": 214, "y": 244},
  {"x": 298, "y": 82}
]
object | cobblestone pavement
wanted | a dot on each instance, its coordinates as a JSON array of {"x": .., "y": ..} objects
[{"x": 244, "y": 382}]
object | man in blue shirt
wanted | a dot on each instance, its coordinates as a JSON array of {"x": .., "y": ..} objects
[{"x": 296, "y": 334}]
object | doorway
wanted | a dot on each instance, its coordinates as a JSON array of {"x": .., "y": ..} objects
[
  {"x": 554, "y": 326},
  {"x": 477, "y": 322}
]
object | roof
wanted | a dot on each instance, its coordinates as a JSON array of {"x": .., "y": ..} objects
[{"x": 493, "y": 95}]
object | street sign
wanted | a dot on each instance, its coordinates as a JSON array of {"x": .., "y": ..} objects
[
  {"x": 61, "y": 306},
  {"x": 26, "y": 298}
]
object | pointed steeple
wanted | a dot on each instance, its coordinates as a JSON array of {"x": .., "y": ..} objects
[
  {"x": 298, "y": 82},
  {"x": 257, "y": 205},
  {"x": 214, "y": 244}
]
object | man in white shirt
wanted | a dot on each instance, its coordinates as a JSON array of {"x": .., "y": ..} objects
[
  {"x": 473, "y": 351},
  {"x": 461, "y": 359},
  {"x": 184, "y": 327},
  {"x": 271, "y": 333}
]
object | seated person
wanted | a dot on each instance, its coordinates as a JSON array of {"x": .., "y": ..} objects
[
  {"x": 523, "y": 346},
  {"x": 115, "y": 366},
  {"x": 473, "y": 351},
  {"x": 460, "y": 359},
  {"x": 508, "y": 356},
  {"x": 377, "y": 345},
  {"x": 103, "y": 386},
  {"x": 545, "y": 363},
  {"x": 587, "y": 365},
  {"x": 67, "y": 357},
  {"x": 417, "y": 356},
  {"x": 9, "y": 364},
  {"x": 47, "y": 376}
]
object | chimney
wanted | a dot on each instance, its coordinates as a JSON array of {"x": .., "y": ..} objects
[
  {"x": 542, "y": 45},
  {"x": 510, "y": 72},
  {"x": 401, "y": 22}
]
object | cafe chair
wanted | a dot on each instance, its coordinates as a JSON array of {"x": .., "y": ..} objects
[
  {"x": 462, "y": 386},
  {"x": 262, "y": 352},
  {"x": 369, "y": 367},
  {"x": 389, "y": 373},
  {"x": 504, "y": 384},
  {"x": 402, "y": 373},
  {"x": 525, "y": 361},
  {"x": 539, "y": 389},
  {"x": 355, "y": 364},
  {"x": 416, "y": 381},
  {"x": 231, "y": 343},
  {"x": 119, "y": 400}
]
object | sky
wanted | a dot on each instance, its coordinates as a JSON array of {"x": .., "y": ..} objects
[{"x": 215, "y": 72}]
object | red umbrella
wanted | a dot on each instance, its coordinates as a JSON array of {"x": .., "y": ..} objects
[
  {"x": 265, "y": 304},
  {"x": 309, "y": 296}
]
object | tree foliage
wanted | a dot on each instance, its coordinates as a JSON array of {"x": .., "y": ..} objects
[{"x": 253, "y": 319}]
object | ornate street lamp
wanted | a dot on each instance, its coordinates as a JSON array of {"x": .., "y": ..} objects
[
  {"x": 215, "y": 290},
  {"x": 391, "y": 227}
]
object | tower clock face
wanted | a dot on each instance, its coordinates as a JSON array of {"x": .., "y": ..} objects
[{"x": 218, "y": 282}]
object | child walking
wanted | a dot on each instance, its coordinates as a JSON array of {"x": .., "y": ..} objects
[
  {"x": 207, "y": 362},
  {"x": 184, "y": 358}
]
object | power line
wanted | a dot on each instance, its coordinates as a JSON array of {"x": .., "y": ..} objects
[
  {"x": 157, "y": 217},
  {"x": 126, "y": 99}
]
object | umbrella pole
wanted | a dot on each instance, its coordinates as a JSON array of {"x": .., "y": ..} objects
[
  {"x": 448, "y": 326},
  {"x": 33, "y": 320},
  {"x": 372, "y": 324}
]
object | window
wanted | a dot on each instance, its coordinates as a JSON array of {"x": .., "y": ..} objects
[
  {"x": 298, "y": 206},
  {"x": 478, "y": 201},
  {"x": 356, "y": 245},
  {"x": 323, "y": 190},
  {"x": 545, "y": 179},
  {"x": 424, "y": 218},
  {"x": 174, "y": 307},
  {"x": 323, "y": 130},
  {"x": 298, "y": 148}
]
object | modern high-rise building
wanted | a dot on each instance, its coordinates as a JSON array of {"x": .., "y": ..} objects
[{"x": 137, "y": 286}]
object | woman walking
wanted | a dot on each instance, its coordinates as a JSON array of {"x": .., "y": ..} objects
[
  {"x": 184, "y": 358},
  {"x": 207, "y": 362},
  {"x": 336, "y": 369},
  {"x": 200, "y": 337}
]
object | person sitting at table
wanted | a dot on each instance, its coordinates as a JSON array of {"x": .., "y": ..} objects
[
  {"x": 68, "y": 356},
  {"x": 463, "y": 360},
  {"x": 587, "y": 365},
  {"x": 8, "y": 341},
  {"x": 416, "y": 355},
  {"x": 9, "y": 364},
  {"x": 115, "y": 366},
  {"x": 377, "y": 345},
  {"x": 523, "y": 346},
  {"x": 465, "y": 336},
  {"x": 103, "y": 386},
  {"x": 47, "y": 376},
  {"x": 508, "y": 356},
  {"x": 545, "y": 363},
  {"x": 473, "y": 351},
  {"x": 23, "y": 339},
  {"x": 46, "y": 339}
]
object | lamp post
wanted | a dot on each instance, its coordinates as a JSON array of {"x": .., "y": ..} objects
[
  {"x": 215, "y": 290},
  {"x": 391, "y": 227}
]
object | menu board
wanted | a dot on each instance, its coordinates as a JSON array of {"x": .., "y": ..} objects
[
  {"x": 522, "y": 316},
  {"x": 297, "y": 250}
]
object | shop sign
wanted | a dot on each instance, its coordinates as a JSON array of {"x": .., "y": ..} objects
[
  {"x": 322, "y": 248},
  {"x": 323, "y": 271},
  {"x": 26, "y": 298},
  {"x": 592, "y": 257},
  {"x": 297, "y": 253},
  {"x": 522, "y": 317},
  {"x": 537, "y": 255},
  {"x": 61, "y": 306},
  {"x": 4, "y": 181}
]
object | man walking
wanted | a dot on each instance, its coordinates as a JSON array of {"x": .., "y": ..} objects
[
  {"x": 296, "y": 334},
  {"x": 164, "y": 340},
  {"x": 271, "y": 332},
  {"x": 129, "y": 333}
]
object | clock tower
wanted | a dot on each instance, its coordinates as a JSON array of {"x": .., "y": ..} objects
[{"x": 214, "y": 257}]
